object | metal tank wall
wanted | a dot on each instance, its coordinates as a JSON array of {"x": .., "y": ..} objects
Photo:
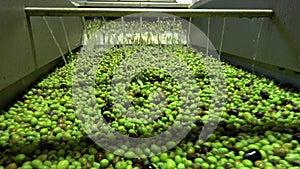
[
  {"x": 24, "y": 58},
  {"x": 276, "y": 51},
  {"x": 132, "y": 0}
]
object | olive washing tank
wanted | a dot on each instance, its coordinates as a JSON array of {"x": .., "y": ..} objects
[{"x": 75, "y": 117}]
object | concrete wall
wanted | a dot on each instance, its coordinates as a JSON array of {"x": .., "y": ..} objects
[
  {"x": 278, "y": 48},
  {"x": 24, "y": 58}
]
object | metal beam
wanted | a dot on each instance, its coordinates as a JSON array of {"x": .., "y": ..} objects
[
  {"x": 105, "y": 4},
  {"x": 118, "y": 12}
]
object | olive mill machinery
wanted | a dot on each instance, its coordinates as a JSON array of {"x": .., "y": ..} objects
[{"x": 263, "y": 32}]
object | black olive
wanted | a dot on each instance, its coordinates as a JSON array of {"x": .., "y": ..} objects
[
  {"x": 252, "y": 155},
  {"x": 264, "y": 94},
  {"x": 199, "y": 75},
  {"x": 51, "y": 113},
  {"x": 237, "y": 87},
  {"x": 149, "y": 166},
  {"x": 222, "y": 123},
  {"x": 295, "y": 163},
  {"x": 109, "y": 104},
  {"x": 107, "y": 118},
  {"x": 99, "y": 156},
  {"x": 233, "y": 112},
  {"x": 296, "y": 137},
  {"x": 248, "y": 84},
  {"x": 254, "y": 103},
  {"x": 32, "y": 109},
  {"x": 199, "y": 122},
  {"x": 138, "y": 160},
  {"x": 205, "y": 149},
  {"x": 192, "y": 156},
  {"x": 43, "y": 145},
  {"x": 285, "y": 102},
  {"x": 236, "y": 152},
  {"x": 48, "y": 112},
  {"x": 7, "y": 161},
  {"x": 274, "y": 108},
  {"x": 138, "y": 94},
  {"x": 63, "y": 86},
  {"x": 296, "y": 109},
  {"x": 173, "y": 149},
  {"x": 86, "y": 139},
  {"x": 193, "y": 138},
  {"x": 21, "y": 98},
  {"x": 104, "y": 108},
  {"x": 133, "y": 135},
  {"x": 245, "y": 98},
  {"x": 259, "y": 114},
  {"x": 232, "y": 133}
]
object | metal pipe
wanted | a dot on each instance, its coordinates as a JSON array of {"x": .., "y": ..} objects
[
  {"x": 130, "y": 4},
  {"x": 118, "y": 12}
]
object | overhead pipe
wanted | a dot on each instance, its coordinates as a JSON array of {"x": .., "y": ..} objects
[
  {"x": 93, "y": 4},
  {"x": 118, "y": 12}
]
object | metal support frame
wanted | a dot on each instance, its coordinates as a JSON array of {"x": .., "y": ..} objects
[
  {"x": 104, "y": 4},
  {"x": 118, "y": 12}
]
